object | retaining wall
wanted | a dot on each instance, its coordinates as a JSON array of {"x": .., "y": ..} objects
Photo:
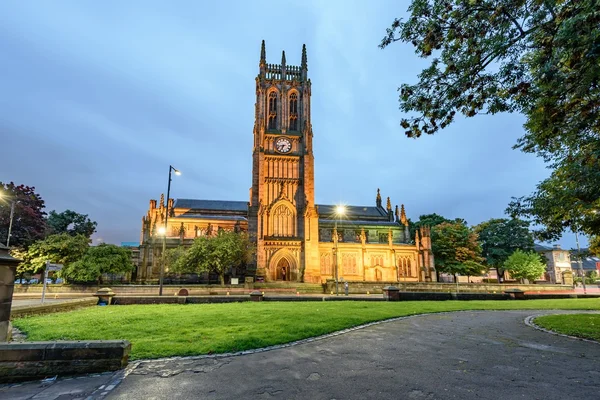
[
  {"x": 34, "y": 360},
  {"x": 49, "y": 308}
]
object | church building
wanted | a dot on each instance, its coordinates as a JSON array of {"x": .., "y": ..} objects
[{"x": 296, "y": 239}]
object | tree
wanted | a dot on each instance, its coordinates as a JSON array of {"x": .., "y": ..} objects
[
  {"x": 98, "y": 260},
  {"x": 430, "y": 220},
  {"x": 62, "y": 249},
  {"x": 594, "y": 247},
  {"x": 456, "y": 250},
  {"x": 28, "y": 224},
  {"x": 499, "y": 238},
  {"x": 525, "y": 265},
  {"x": 537, "y": 58},
  {"x": 70, "y": 222},
  {"x": 216, "y": 254},
  {"x": 568, "y": 199}
]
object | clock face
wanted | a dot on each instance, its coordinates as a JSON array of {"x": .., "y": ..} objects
[{"x": 283, "y": 145}]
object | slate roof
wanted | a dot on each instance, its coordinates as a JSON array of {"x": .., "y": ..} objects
[
  {"x": 217, "y": 217},
  {"x": 214, "y": 205},
  {"x": 327, "y": 211},
  {"x": 589, "y": 263},
  {"x": 346, "y": 222}
]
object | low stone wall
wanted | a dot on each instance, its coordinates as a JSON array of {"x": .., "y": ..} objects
[
  {"x": 377, "y": 287},
  {"x": 24, "y": 291},
  {"x": 34, "y": 360},
  {"x": 50, "y": 308}
]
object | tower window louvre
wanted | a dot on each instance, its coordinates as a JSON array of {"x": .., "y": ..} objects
[
  {"x": 294, "y": 111},
  {"x": 272, "y": 110}
]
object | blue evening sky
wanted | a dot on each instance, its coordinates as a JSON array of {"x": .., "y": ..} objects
[{"x": 99, "y": 97}]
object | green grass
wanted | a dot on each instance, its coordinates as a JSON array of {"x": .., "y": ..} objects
[
  {"x": 581, "y": 325},
  {"x": 170, "y": 330}
]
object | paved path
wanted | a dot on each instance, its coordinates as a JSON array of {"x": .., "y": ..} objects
[{"x": 467, "y": 355}]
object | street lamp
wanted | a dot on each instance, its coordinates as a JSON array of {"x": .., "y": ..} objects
[
  {"x": 580, "y": 262},
  {"x": 10, "y": 221},
  {"x": 164, "y": 232},
  {"x": 339, "y": 212}
]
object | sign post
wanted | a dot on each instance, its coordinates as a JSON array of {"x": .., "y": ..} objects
[{"x": 49, "y": 267}]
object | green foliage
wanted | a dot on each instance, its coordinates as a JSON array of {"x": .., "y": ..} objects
[
  {"x": 70, "y": 222},
  {"x": 455, "y": 249},
  {"x": 594, "y": 247},
  {"x": 216, "y": 254},
  {"x": 581, "y": 325},
  {"x": 499, "y": 238},
  {"x": 98, "y": 260},
  {"x": 29, "y": 224},
  {"x": 430, "y": 220},
  {"x": 163, "y": 330},
  {"x": 538, "y": 58},
  {"x": 568, "y": 199},
  {"x": 62, "y": 249},
  {"x": 172, "y": 256},
  {"x": 525, "y": 265}
]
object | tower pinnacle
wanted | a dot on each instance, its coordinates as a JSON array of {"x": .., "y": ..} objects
[
  {"x": 263, "y": 53},
  {"x": 283, "y": 57},
  {"x": 304, "y": 64}
]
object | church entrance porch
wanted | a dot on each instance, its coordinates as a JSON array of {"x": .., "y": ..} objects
[{"x": 283, "y": 267}]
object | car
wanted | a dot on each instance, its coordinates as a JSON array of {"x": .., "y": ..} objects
[{"x": 48, "y": 281}]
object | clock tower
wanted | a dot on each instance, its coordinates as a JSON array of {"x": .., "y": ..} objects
[{"x": 282, "y": 218}]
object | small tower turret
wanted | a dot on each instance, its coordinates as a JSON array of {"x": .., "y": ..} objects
[
  {"x": 378, "y": 199},
  {"x": 262, "y": 65},
  {"x": 304, "y": 63}
]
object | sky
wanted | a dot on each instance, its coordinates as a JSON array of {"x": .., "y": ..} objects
[{"x": 99, "y": 98}]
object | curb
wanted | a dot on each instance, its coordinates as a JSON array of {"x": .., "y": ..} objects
[{"x": 529, "y": 322}]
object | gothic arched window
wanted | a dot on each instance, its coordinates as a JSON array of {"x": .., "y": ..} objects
[
  {"x": 283, "y": 221},
  {"x": 294, "y": 111},
  {"x": 272, "y": 111}
]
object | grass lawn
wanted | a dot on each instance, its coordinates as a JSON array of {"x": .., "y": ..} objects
[
  {"x": 581, "y": 325},
  {"x": 192, "y": 329}
]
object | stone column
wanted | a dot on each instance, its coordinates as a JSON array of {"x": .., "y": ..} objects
[{"x": 8, "y": 268}]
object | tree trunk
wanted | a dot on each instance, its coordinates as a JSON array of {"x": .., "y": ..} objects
[{"x": 222, "y": 278}]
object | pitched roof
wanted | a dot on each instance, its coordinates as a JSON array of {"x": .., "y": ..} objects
[
  {"x": 327, "y": 211},
  {"x": 214, "y": 205}
]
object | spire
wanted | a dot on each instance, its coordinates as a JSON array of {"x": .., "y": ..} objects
[
  {"x": 403, "y": 218},
  {"x": 388, "y": 206},
  {"x": 397, "y": 213},
  {"x": 263, "y": 53},
  {"x": 304, "y": 64},
  {"x": 283, "y": 57},
  {"x": 378, "y": 199}
]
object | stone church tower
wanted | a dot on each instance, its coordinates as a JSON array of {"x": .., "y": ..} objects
[{"x": 282, "y": 218}]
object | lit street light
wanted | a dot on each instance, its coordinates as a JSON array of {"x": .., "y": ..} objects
[
  {"x": 12, "y": 214},
  {"x": 163, "y": 232},
  {"x": 340, "y": 211}
]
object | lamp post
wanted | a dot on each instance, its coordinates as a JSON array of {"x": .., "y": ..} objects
[
  {"x": 340, "y": 211},
  {"x": 10, "y": 221},
  {"x": 580, "y": 263},
  {"x": 164, "y": 247}
]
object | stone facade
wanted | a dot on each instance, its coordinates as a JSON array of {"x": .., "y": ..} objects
[
  {"x": 558, "y": 263},
  {"x": 296, "y": 239}
]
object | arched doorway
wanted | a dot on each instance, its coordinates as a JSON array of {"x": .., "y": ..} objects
[
  {"x": 283, "y": 266},
  {"x": 283, "y": 270}
]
